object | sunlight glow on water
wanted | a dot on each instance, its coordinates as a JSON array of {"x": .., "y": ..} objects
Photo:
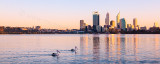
[{"x": 92, "y": 49}]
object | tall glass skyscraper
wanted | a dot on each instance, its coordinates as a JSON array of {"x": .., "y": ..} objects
[
  {"x": 107, "y": 19},
  {"x": 95, "y": 21},
  {"x": 123, "y": 24},
  {"x": 135, "y": 23}
]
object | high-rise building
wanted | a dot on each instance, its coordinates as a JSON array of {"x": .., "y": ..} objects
[
  {"x": 118, "y": 20},
  {"x": 112, "y": 23},
  {"x": 129, "y": 27},
  {"x": 82, "y": 25},
  {"x": 135, "y": 23},
  {"x": 107, "y": 19},
  {"x": 123, "y": 24},
  {"x": 95, "y": 21},
  {"x": 155, "y": 24}
]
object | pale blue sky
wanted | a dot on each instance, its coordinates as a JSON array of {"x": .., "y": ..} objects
[{"x": 64, "y": 14}]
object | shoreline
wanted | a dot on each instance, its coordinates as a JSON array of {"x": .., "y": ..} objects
[{"x": 85, "y": 33}]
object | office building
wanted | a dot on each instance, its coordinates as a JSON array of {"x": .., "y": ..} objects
[
  {"x": 112, "y": 23},
  {"x": 95, "y": 21},
  {"x": 118, "y": 20},
  {"x": 135, "y": 23},
  {"x": 82, "y": 25},
  {"x": 107, "y": 19},
  {"x": 129, "y": 27},
  {"x": 123, "y": 24}
]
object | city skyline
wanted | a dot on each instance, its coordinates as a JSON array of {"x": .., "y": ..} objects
[{"x": 63, "y": 15}]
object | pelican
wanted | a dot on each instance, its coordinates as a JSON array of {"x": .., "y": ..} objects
[
  {"x": 56, "y": 54},
  {"x": 74, "y": 49}
]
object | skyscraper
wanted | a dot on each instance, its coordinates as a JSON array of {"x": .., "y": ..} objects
[
  {"x": 135, "y": 23},
  {"x": 118, "y": 20},
  {"x": 107, "y": 19},
  {"x": 112, "y": 23},
  {"x": 123, "y": 24},
  {"x": 82, "y": 25},
  {"x": 95, "y": 21}
]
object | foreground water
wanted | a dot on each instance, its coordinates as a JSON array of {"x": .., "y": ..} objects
[{"x": 92, "y": 49}]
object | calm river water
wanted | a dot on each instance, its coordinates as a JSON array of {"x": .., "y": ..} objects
[{"x": 92, "y": 49}]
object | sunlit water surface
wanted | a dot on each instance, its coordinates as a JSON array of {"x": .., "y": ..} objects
[{"x": 92, "y": 49}]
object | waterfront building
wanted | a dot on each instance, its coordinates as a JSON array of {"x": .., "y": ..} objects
[
  {"x": 107, "y": 19},
  {"x": 112, "y": 23},
  {"x": 143, "y": 28},
  {"x": 82, "y": 25},
  {"x": 138, "y": 27},
  {"x": 129, "y": 27},
  {"x": 38, "y": 27},
  {"x": 154, "y": 29},
  {"x": 89, "y": 27},
  {"x": 95, "y": 21},
  {"x": 103, "y": 29},
  {"x": 132, "y": 26},
  {"x": 155, "y": 24},
  {"x": 1, "y": 28},
  {"x": 118, "y": 20},
  {"x": 135, "y": 23},
  {"x": 123, "y": 24},
  {"x": 99, "y": 29}
]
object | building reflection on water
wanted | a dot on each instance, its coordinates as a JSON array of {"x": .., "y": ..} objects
[
  {"x": 107, "y": 47},
  {"x": 84, "y": 44},
  {"x": 135, "y": 46},
  {"x": 114, "y": 47},
  {"x": 156, "y": 45},
  {"x": 96, "y": 49}
]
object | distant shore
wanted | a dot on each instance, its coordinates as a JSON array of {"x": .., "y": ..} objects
[{"x": 79, "y": 33}]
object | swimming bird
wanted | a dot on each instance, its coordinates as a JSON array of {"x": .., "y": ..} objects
[
  {"x": 74, "y": 49},
  {"x": 56, "y": 54}
]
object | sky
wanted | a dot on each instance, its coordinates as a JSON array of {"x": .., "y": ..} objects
[{"x": 66, "y": 14}]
